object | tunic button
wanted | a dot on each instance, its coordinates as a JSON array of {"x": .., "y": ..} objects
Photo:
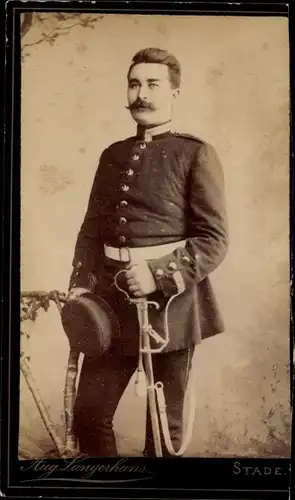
[
  {"x": 78, "y": 264},
  {"x": 123, "y": 203},
  {"x": 172, "y": 266},
  {"x": 122, "y": 239},
  {"x": 130, "y": 171},
  {"x": 123, "y": 220},
  {"x": 159, "y": 273},
  {"x": 135, "y": 157},
  {"x": 142, "y": 146},
  {"x": 185, "y": 259},
  {"x": 124, "y": 187}
]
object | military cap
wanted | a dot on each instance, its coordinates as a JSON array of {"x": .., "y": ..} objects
[{"x": 89, "y": 323}]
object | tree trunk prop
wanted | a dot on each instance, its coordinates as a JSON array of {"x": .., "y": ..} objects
[
  {"x": 31, "y": 302},
  {"x": 26, "y": 371},
  {"x": 69, "y": 399}
]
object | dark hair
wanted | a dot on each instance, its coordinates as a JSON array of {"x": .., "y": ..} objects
[{"x": 160, "y": 56}]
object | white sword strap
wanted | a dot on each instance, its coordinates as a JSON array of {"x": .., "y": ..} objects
[{"x": 192, "y": 400}]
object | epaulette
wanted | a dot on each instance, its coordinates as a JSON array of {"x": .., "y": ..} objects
[{"x": 188, "y": 136}]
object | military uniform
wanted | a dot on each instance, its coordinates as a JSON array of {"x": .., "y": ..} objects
[{"x": 153, "y": 189}]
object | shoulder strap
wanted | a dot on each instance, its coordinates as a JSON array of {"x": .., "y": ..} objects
[{"x": 188, "y": 136}]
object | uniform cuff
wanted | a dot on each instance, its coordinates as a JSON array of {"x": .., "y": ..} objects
[
  {"x": 83, "y": 278},
  {"x": 168, "y": 275}
]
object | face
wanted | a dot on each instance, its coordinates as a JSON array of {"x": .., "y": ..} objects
[{"x": 150, "y": 95}]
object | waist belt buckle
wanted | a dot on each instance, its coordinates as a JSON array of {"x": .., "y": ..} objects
[{"x": 124, "y": 254}]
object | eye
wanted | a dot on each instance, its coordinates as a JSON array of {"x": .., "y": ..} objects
[
  {"x": 153, "y": 85},
  {"x": 133, "y": 85}
]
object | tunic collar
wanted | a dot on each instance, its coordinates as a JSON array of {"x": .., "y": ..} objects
[{"x": 148, "y": 134}]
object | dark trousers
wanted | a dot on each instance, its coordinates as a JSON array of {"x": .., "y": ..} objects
[{"x": 102, "y": 383}]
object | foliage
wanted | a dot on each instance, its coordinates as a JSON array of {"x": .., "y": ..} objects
[
  {"x": 51, "y": 27},
  {"x": 31, "y": 302}
]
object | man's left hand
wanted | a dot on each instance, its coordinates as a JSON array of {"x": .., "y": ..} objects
[{"x": 140, "y": 279}]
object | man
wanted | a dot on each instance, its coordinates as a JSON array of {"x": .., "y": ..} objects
[{"x": 156, "y": 211}]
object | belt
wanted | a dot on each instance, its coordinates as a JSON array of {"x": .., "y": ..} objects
[{"x": 135, "y": 254}]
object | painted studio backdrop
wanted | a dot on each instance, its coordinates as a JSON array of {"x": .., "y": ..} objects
[{"x": 234, "y": 95}]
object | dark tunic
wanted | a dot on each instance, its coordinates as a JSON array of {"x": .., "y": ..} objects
[{"x": 152, "y": 193}]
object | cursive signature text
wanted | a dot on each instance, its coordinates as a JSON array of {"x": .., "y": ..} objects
[{"x": 81, "y": 468}]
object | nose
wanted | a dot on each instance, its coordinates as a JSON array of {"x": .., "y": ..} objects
[{"x": 143, "y": 93}]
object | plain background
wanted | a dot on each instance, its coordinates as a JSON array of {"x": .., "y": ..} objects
[{"x": 234, "y": 94}]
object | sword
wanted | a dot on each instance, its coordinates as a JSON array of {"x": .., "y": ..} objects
[
  {"x": 145, "y": 351},
  {"x": 145, "y": 360}
]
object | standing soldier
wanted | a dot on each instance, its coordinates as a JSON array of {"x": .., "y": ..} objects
[{"x": 156, "y": 211}]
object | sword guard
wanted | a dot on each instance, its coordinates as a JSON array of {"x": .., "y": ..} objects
[
  {"x": 152, "y": 333},
  {"x": 153, "y": 303}
]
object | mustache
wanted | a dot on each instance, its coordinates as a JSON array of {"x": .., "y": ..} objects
[{"x": 140, "y": 104}]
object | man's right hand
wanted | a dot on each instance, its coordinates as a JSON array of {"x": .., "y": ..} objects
[{"x": 76, "y": 292}]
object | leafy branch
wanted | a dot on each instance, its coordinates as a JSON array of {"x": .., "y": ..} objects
[
  {"x": 31, "y": 302},
  {"x": 60, "y": 24}
]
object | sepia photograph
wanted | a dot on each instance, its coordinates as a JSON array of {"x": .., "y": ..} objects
[{"x": 155, "y": 266}]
